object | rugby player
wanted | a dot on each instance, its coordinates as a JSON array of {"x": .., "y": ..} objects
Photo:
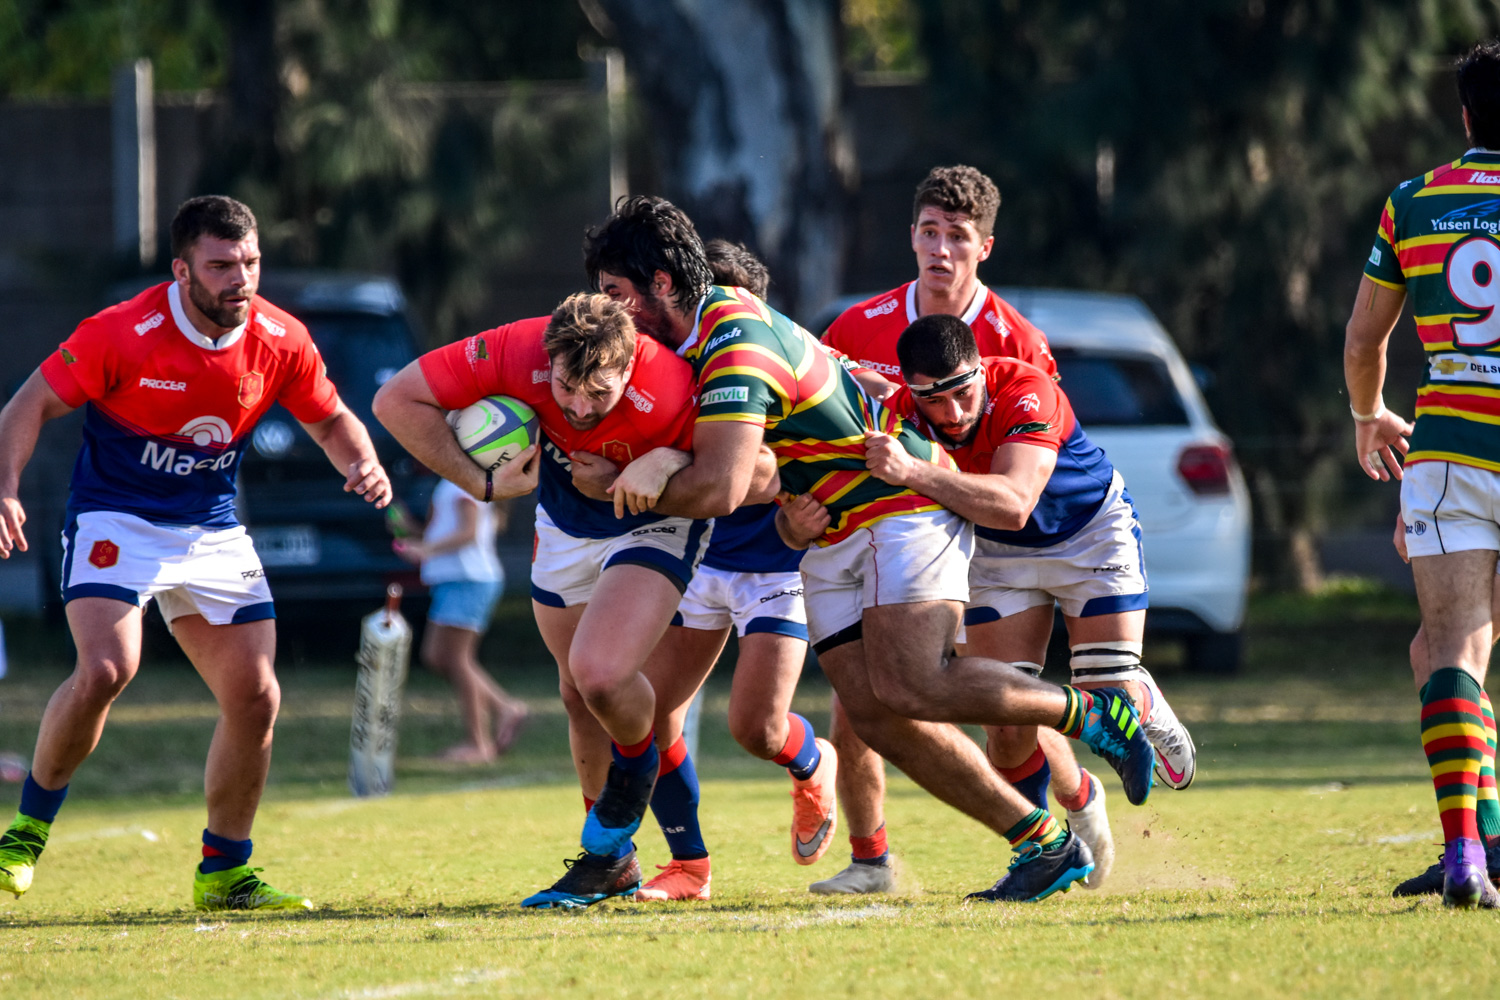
[
  {"x": 173, "y": 381},
  {"x": 892, "y": 566},
  {"x": 1436, "y": 242},
  {"x": 603, "y": 589},
  {"x": 749, "y": 581}
]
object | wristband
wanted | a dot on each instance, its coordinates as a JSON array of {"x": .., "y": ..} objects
[
  {"x": 489, "y": 485},
  {"x": 1368, "y": 418}
]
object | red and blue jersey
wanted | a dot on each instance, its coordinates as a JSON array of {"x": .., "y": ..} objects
[
  {"x": 169, "y": 411},
  {"x": 657, "y": 411},
  {"x": 1025, "y": 406},
  {"x": 747, "y": 541}
]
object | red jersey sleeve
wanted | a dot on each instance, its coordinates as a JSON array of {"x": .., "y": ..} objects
[
  {"x": 506, "y": 361},
  {"x": 85, "y": 366},
  {"x": 1030, "y": 409},
  {"x": 306, "y": 391}
]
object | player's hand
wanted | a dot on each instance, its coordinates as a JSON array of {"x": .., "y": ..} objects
[
  {"x": 593, "y": 475},
  {"x": 801, "y": 521},
  {"x": 887, "y": 459},
  {"x": 1400, "y": 540},
  {"x": 12, "y": 516},
  {"x": 517, "y": 477},
  {"x": 1376, "y": 443},
  {"x": 765, "y": 482},
  {"x": 641, "y": 483},
  {"x": 367, "y": 478}
]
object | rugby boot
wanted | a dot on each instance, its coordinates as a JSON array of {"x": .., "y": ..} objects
[
  {"x": 858, "y": 879},
  {"x": 20, "y": 846},
  {"x": 240, "y": 888},
  {"x": 814, "y": 808},
  {"x": 1113, "y": 730},
  {"x": 1091, "y": 825},
  {"x": 617, "y": 814},
  {"x": 1466, "y": 883},
  {"x": 1430, "y": 882},
  {"x": 1035, "y": 873},
  {"x": 678, "y": 880},
  {"x": 589, "y": 879},
  {"x": 1176, "y": 756}
]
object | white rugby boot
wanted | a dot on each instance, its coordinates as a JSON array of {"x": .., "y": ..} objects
[
  {"x": 1091, "y": 825},
  {"x": 858, "y": 879},
  {"x": 1176, "y": 756}
]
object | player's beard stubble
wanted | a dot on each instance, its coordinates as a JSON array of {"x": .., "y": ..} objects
[{"x": 219, "y": 311}]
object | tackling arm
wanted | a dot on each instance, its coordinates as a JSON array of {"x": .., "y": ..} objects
[
  {"x": 1002, "y": 499},
  {"x": 1376, "y": 309},
  {"x": 21, "y": 421},
  {"x": 722, "y": 474}
]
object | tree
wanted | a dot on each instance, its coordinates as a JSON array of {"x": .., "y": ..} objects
[
  {"x": 744, "y": 107},
  {"x": 1224, "y": 160}
]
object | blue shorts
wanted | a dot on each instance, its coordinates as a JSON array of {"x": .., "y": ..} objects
[{"x": 465, "y": 604}]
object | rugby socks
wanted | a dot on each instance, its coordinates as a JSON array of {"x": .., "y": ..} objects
[
  {"x": 221, "y": 853},
  {"x": 1038, "y": 827},
  {"x": 800, "y": 755},
  {"x": 1488, "y": 806},
  {"x": 1079, "y": 703},
  {"x": 870, "y": 850},
  {"x": 1084, "y": 796},
  {"x": 39, "y": 803},
  {"x": 638, "y": 758},
  {"x": 1453, "y": 737},
  {"x": 674, "y": 803},
  {"x": 588, "y": 803},
  {"x": 1031, "y": 778}
]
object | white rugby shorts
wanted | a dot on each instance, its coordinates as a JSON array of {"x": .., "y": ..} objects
[
  {"x": 905, "y": 559},
  {"x": 564, "y": 569},
  {"x": 751, "y": 602},
  {"x": 1449, "y": 507},
  {"x": 189, "y": 570},
  {"x": 1099, "y": 571}
]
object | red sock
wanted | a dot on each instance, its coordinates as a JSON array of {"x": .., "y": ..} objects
[
  {"x": 869, "y": 848},
  {"x": 1084, "y": 796}
]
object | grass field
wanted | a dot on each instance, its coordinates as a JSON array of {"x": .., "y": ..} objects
[{"x": 1270, "y": 876}]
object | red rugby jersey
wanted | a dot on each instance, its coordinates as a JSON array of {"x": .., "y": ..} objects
[
  {"x": 868, "y": 332},
  {"x": 657, "y": 410}
]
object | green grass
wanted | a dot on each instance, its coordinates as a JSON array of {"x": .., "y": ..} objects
[{"x": 1271, "y": 876}]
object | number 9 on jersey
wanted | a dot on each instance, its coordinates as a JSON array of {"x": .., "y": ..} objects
[{"x": 494, "y": 430}]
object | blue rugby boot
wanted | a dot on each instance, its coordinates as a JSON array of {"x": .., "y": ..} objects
[
  {"x": 589, "y": 879},
  {"x": 1112, "y": 729},
  {"x": 1036, "y": 874},
  {"x": 1466, "y": 879},
  {"x": 1430, "y": 882},
  {"x": 617, "y": 815}
]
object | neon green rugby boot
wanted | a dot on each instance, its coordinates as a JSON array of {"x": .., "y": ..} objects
[
  {"x": 240, "y": 888},
  {"x": 20, "y": 846}
]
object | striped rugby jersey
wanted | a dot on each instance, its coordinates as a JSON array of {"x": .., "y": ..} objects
[
  {"x": 1439, "y": 240},
  {"x": 756, "y": 366}
]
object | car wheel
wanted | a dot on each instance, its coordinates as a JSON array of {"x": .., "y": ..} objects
[{"x": 1214, "y": 652}]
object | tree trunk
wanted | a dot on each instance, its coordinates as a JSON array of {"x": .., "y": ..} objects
[{"x": 744, "y": 100}]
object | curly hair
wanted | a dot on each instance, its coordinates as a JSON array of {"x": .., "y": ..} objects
[
  {"x": 646, "y": 234},
  {"x": 1479, "y": 92},
  {"x": 734, "y": 264},
  {"x": 589, "y": 338},
  {"x": 959, "y": 189},
  {"x": 213, "y": 215}
]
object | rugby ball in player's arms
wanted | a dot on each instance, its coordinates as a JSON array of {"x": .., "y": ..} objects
[{"x": 494, "y": 430}]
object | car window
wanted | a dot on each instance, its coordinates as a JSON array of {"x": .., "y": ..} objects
[{"x": 1119, "y": 390}]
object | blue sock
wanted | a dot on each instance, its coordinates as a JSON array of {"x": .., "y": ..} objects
[
  {"x": 221, "y": 854},
  {"x": 675, "y": 804},
  {"x": 801, "y": 755},
  {"x": 1032, "y": 778},
  {"x": 39, "y": 803},
  {"x": 641, "y": 758}
]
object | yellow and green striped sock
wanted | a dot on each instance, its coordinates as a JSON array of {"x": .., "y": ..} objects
[
  {"x": 1453, "y": 738},
  {"x": 1038, "y": 827},
  {"x": 1488, "y": 806}
]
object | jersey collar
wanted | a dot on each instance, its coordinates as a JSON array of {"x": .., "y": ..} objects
[
  {"x": 692, "y": 338},
  {"x": 976, "y": 305},
  {"x": 187, "y": 329}
]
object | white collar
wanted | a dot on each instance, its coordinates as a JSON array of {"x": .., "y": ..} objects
[
  {"x": 188, "y": 330},
  {"x": 692, "y": 338},
  {"x": 970, "y": 314},
  {"x": 1481, "y": 149}
]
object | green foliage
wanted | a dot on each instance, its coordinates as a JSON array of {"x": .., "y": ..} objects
[
  {"x": 881, "y": 36},
  {"x": 1224, "y": 160}
]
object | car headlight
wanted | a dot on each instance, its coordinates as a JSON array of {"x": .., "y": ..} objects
[{"x": 273, "y": 439}]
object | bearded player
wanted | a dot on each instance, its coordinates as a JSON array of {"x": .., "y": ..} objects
[
  {"x": 892, "y": 563},
  {"x": 173, "y": 382}
]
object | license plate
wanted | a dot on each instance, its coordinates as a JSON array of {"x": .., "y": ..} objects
[{"x": 294, "y": 545}]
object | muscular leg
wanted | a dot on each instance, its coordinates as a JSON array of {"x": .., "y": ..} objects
[
  {"x": 861, "y": 781},
  {"x": 587, "y": 739},
  {"x": 765, "y": 679},
  {"x": 1124, "y": 626},
  {"x": 677, "y": 668},
  {"x": 108, "y": 636},
  {"x": 1456, "y": 593},
  {"x": 237, "y": 664}
]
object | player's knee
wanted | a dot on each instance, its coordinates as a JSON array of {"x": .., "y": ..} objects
[
  {"x": 256, "y": 708},
  {"x": 572, "y": 699},
  {"x": 101, "y": 680},
  {"x": 1418, "y": 653},
  {"x": 760, "y": 733},
  {"x": 897, "y": 693},
  {"x": 1009, "y": 746}
]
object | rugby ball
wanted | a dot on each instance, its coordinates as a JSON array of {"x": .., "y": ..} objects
[{"x": 494, "y": 430}]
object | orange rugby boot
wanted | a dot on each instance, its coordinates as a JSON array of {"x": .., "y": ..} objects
[
  {"x": 814, "y": 808},
  {"x": 678, "y": 880}
]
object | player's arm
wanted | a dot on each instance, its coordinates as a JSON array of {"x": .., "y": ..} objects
[
  {"x": 1376, "y": 309},
  {"x": 407, "y": 408},
  {"x": 727, "y": 470},
  {"x": 347, "y": 444},
  {"x": 1003, "y": 499},
  {"x": 21, "y": 422}
]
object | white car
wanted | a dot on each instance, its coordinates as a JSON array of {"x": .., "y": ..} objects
[{"x": 1136, "y": 397}]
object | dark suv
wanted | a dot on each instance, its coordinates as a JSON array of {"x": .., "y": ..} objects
[{"x": 320, "y": 545}]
